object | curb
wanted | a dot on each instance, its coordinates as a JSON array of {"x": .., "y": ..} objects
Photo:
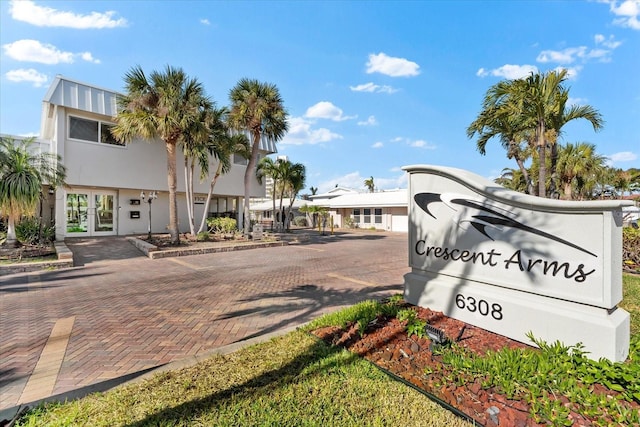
[{"x": 10, "y": 415}]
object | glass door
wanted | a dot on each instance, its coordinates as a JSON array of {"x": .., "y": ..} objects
[
  {"x": 77, "y": 207},
  {"x": 91, "y": 213},
  {"x": 103, "y": 214}
]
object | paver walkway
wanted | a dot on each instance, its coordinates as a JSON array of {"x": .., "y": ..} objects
[{"x": 119, "y": 313}]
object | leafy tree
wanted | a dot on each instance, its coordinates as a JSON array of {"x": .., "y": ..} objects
[
  {"x": 575, "y": 164},
  {"x": 534, "y": 110},
  {"x": 512, "y": 179},
  {"x": 294, "y": 177},
  {"x": 257, "y": 109},
  {"x": 221, "y": 145},
  {"x": 500, "y": 117},
  {"x": 267, "y": 167},
  {"x": 22, "y": 175},
  {"x": 369, "y": 184},
  {"x": 164, "y": 106}
]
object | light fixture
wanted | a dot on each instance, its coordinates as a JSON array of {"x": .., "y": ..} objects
[{"x": 437, "y": 336}]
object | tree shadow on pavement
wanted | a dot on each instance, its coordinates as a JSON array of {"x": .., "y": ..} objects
[{"x": 305, "y": 302}]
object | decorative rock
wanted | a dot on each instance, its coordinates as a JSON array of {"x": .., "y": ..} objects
[{"x": 493, "y": 412}]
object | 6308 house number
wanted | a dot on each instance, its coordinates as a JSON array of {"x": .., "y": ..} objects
[{"x": 481, "y": 306}]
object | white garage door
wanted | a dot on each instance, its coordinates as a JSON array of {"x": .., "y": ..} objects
[{"x": 399, "y": 223}]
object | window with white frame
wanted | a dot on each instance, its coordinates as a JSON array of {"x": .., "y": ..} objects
[
  {"x": 356, "y": 216},
  {"x": 377, "y": 218},
  {"x": 91, "y": 130},
  {"x": 367, "y": 216}
]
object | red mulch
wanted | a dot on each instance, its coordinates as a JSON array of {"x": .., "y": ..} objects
[{"x": 388, "y": 346}]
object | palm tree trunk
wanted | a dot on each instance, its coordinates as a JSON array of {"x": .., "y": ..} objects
[
  {"x": 172, "y": 181},
  {"x": 525, "y": 174},
  {"x": 212, "y": 184},
  {"x": 542, "y": 157},
  {"x": 248, "y": 176},
  {"x": 188, "y": 193},
  {"x": 11, "y": 231}
]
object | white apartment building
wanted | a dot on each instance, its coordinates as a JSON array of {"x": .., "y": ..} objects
[{"x": 105, "y": 179}]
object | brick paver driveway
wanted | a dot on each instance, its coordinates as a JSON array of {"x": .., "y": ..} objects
[{"x": 120, "y": 313}]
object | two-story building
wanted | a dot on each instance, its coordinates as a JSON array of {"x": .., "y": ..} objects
[{"x": 106, "y": 179}]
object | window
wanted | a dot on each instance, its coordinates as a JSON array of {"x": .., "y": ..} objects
[
  {"x": 378, "y": 215},
  {"x": 239, "y": 160},
  {"x": 356, "y": 216},
  {"x": 367, "y": 216},
  {"x": 91, "y": 130}
]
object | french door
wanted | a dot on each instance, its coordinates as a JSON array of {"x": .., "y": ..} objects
[{"x": 91, "y": 213}]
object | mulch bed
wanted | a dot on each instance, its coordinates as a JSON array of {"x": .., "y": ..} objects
[
  {"x": 387, "y": 345},
  {"x": 26, "y": 252}
]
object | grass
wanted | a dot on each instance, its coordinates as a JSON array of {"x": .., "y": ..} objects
[
  {"x": 29, "y": 260},
  {"x": 294, "y": 380},
  {"x": 631, "y": 300}
]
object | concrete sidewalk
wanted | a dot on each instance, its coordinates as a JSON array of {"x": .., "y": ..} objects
[{"x": 121, "y": 314}]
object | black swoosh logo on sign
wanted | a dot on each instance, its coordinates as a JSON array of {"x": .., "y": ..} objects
[{"x": 496, "y": 218}]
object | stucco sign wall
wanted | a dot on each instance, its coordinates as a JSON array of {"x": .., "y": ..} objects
[{"x": 513, "y": 263}]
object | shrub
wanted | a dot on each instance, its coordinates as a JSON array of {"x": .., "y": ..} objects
[
  {"x": 300, "y": 221},
  {"x": 222, "y": 225},
  {"x": 202, "y": 236},
  {"x": 631, "y": 248},
  {"x": 29, "y": 231}
]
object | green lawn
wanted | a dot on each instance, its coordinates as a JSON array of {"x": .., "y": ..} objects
[{"x": 294, "y": 380}]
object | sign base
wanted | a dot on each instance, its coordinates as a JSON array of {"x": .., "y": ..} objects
[{"x": 603, "y": 333}]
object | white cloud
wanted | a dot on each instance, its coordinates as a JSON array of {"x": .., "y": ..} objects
[
  {"x": 566, "y": 56},
  {"x": 609, "y": 43},
  {"x": 572, "y": 72},
  {"x": 27, "y": 75},
  {"x": 300, "y": 132},
  {"x": 390, "y": 66},
  {"x": 371, "y": 87},
  {"x": 509, "y": 71},
  {"x": 205, "y": 21},
  {"x": 326, "y": 110},
  {"x": 400, "y": 181},
  {"x": 34, "y": 51},
  {"x": 623, "y": 156},
  {"x": 28, "y": 11},
  {"x": 371, "y": 121},
  {"x": 421, "y": 143},
  {"x": 628, "y": 12},
  {"x": 377, "y": 145},
  {"x": 89, "y": 58}
]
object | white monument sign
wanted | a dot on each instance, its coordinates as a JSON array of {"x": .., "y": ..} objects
[{"x": 513, "y": 263}]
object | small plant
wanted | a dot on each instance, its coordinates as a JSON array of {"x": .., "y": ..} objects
[
  {"x": 540, "y": 377},
  {"x": 222, "y": 225},
  {"x": 300, "y": 221},
  {"x": 30, "y": 231},
  {"x": 415, "y": 326},
  {"x": 203, "y": 236}
]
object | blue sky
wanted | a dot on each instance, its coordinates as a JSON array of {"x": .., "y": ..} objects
[{"x": 369, "y": 86}]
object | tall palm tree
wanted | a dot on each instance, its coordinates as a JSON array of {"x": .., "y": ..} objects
[
  {"x": 22, "y": 174},
  {"x": 294, "y": 177},
  {"x": 221, "y": 147},
  {"x": 369, "y": 184},
  {"x": 163, "y": 106},
  {"x": 500, "y": 118},
  {"x": 257, "y": 109},
  {"x": 534, "y": 110},
  {"x": 267, "y": 167},
  {"x": 195, "y": 149}
]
